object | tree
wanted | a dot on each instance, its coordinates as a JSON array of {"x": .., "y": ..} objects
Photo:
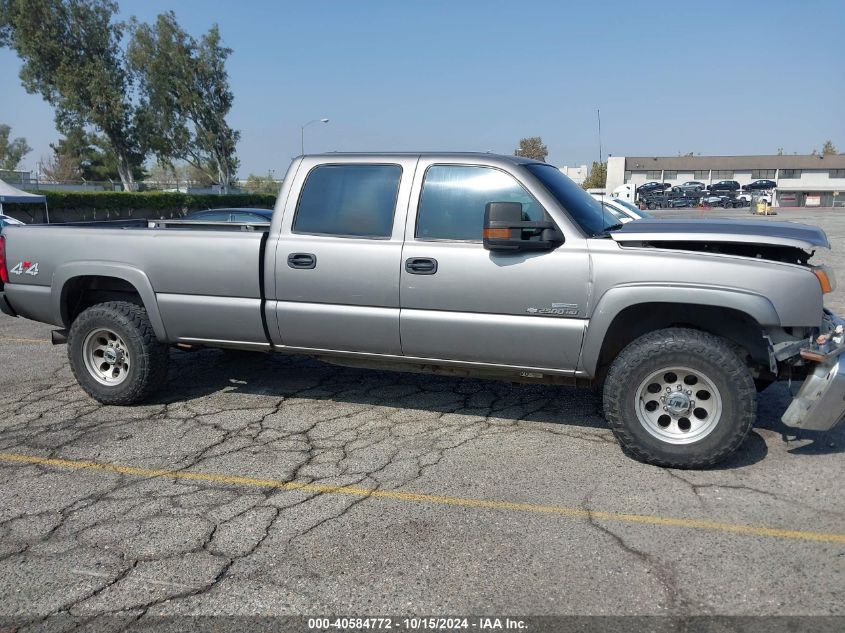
[
  {"x": 532, "y": 147},
  {"x": 828, "y": 149},
  {"x": 72, "y": 58},
  {"x": 62, "y": 168},
  {"x": 11, "y": 152},
  {"x": 92, "y": 154},
  {"x": 262, "y": 184},
  {"x": 186, "y": 97},
  {"x": 597, "y": 177}
]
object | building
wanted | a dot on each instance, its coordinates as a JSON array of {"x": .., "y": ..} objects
[
  {"x": 577, "y": 174},
  {"x": 802, "y": 180}
]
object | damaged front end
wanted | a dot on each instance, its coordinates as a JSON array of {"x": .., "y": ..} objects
[{"x": 820, "y": 403}]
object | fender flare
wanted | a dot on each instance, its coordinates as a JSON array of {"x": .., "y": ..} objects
[
  {"x": 620, "y": 298},
  {"x": 131, "y": 275}
]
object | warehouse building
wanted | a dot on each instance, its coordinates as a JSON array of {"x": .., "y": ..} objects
[{"x": 802, "y": 181}]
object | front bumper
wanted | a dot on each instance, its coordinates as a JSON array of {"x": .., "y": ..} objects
[
  {"x": 5, "y": 308},
  {"x": 820, "y": 403}
]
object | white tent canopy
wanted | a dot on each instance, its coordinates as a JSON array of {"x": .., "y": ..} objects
[{"x": 9, "y": 194}]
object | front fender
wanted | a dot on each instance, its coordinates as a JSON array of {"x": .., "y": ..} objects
[
  {"x": 619, "y": 298},
  {"x": 138, "y": 278}
]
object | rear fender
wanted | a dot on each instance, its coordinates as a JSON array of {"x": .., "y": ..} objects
[{"x": 134, "y": 276}]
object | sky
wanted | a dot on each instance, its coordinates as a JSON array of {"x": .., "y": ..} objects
[{"x": 715, "y": 78}]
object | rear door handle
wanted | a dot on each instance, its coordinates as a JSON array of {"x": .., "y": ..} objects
[
  {"x": 421, "y": 265},
  {"x": 302, "y": 260}
]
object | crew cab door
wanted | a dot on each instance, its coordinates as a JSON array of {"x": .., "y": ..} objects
[
  {"x": 338, "y": 255},
  {"x": 461, "y": 302}
]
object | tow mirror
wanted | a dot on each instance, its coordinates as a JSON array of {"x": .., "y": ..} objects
[{"x": 506, "y": 229}]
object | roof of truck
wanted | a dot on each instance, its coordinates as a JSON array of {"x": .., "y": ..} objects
[{"x": 519, "y": 160}]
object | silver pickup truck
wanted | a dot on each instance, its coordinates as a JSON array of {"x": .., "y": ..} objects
[{"x": 458, "y": 264}]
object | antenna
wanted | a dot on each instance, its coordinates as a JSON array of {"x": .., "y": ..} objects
[
  {"x": 604, "y": 189},
  {"x": 598, "y": 115}
]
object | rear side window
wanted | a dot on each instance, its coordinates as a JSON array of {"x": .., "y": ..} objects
[
  {"x": 454, "y": 198},
  {"x": 212, "y": 216},
  {"x": 349, "y": 201},
  {"x": 248, "y": 217}
]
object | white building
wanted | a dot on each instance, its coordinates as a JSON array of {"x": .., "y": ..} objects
[
  {"x": 802, "y": 180},
  {"x": 577, "y": 174}
]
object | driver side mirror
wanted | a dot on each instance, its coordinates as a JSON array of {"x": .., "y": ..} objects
[{"x": 506, "y": 229}]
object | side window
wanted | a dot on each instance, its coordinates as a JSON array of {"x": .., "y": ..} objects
[
  {"x": 454, "y": 198},
  {"x": 349, "y": 201},
  {"x": 248, "y": 217},
  {"x": 213, "y": 216}
]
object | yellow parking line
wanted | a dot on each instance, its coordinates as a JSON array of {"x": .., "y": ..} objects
[
  {"x": 397, "y": 495},
  {"x": 23, "y": 340}
]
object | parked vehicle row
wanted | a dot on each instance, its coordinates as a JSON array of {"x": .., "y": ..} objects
[{"x": 696, "y": 186}]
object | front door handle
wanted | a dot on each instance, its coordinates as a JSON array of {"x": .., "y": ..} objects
[
  {"x": 302, "y": 260},
  {"x": 421, "y": 265}
]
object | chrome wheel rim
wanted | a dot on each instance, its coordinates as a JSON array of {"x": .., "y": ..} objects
[
  {"x": 106, "y": 357},
  {"x": 678, "y": 405}
]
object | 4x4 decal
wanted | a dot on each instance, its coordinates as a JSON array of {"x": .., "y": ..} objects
[{"x": 25, "y": 268}]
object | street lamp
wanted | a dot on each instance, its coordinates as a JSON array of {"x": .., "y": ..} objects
[{"x": 302, "y": 132}]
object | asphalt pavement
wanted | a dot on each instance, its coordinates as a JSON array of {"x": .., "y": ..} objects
[{"x": 274, "y": 485}]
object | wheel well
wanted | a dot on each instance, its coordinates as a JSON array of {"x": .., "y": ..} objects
[
  {"x": 735, "y": 326},
  {"x": 80, "y": 293}
]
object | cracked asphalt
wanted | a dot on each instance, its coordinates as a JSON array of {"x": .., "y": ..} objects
[{"x": 496, "y": 498}]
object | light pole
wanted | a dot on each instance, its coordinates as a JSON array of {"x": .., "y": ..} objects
[{"x": 302, "y": 132}]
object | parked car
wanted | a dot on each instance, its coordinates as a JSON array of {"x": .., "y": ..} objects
[
  {"x": 653, "y": 186},
  {"x": 620, "y": 209},
  {"x": 745, "y": 198},
  {"x": 757, "y": 185},
  {"x": 725, "y": 185},
  {"x": 6, "y": 220},
  {"x": 375, "y": 260},
  {"x": 717, "y": 201},
  {"x": 244, "y": 215},
  {"x": 690, "y": 185},
  {"x": 683, "y": 201}
]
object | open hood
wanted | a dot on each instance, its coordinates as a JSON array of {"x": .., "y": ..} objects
[{"x": 761, "y": 232}]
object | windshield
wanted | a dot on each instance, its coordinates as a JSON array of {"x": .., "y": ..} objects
[
  {"x": 632, "y": 208},
  {"x": 581, "y": 206}
]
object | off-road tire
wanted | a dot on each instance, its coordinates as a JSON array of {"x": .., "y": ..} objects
[
  {"x": 703, "y": 352},
  {"x": 148, "y": 369}
]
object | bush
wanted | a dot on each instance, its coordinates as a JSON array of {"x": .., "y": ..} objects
[
  {"x": 70, "y": 206},
  {"x": 163, "y": 200}
]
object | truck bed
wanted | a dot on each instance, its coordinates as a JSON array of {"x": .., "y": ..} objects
[{"x": 206, "y": 279}]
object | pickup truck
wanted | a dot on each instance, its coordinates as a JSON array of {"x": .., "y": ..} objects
[{"x": 461, "y": 264}]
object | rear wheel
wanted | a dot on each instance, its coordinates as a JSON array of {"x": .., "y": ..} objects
[
  {"x": 114, "y": 353},
  {"x": 679, "y": 398}
]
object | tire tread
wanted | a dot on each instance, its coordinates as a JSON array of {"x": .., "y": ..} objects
[
  {"x": 155, "y": 354},
  {"x": 687, "y": 341}
]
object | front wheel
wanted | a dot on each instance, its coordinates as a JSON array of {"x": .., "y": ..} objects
[
  {"x": 679, "y": 398},
  {"x": 114, "y": 353}
]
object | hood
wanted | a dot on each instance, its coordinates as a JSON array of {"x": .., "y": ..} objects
[{"x": 801, "y": 236}]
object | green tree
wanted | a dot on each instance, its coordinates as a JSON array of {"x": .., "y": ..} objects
[
  {"x": 532, "y": 147},
  {"x": 11, "y": 152},
  {"x": 828, "y": 149},
  {"x": 71, "y": 57},
  {"x": 186, "y": 97},
  {"x": 262, "y": 184},
  {"x": 92, "y": 154},
  {"x": 597, "y": 178}
]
